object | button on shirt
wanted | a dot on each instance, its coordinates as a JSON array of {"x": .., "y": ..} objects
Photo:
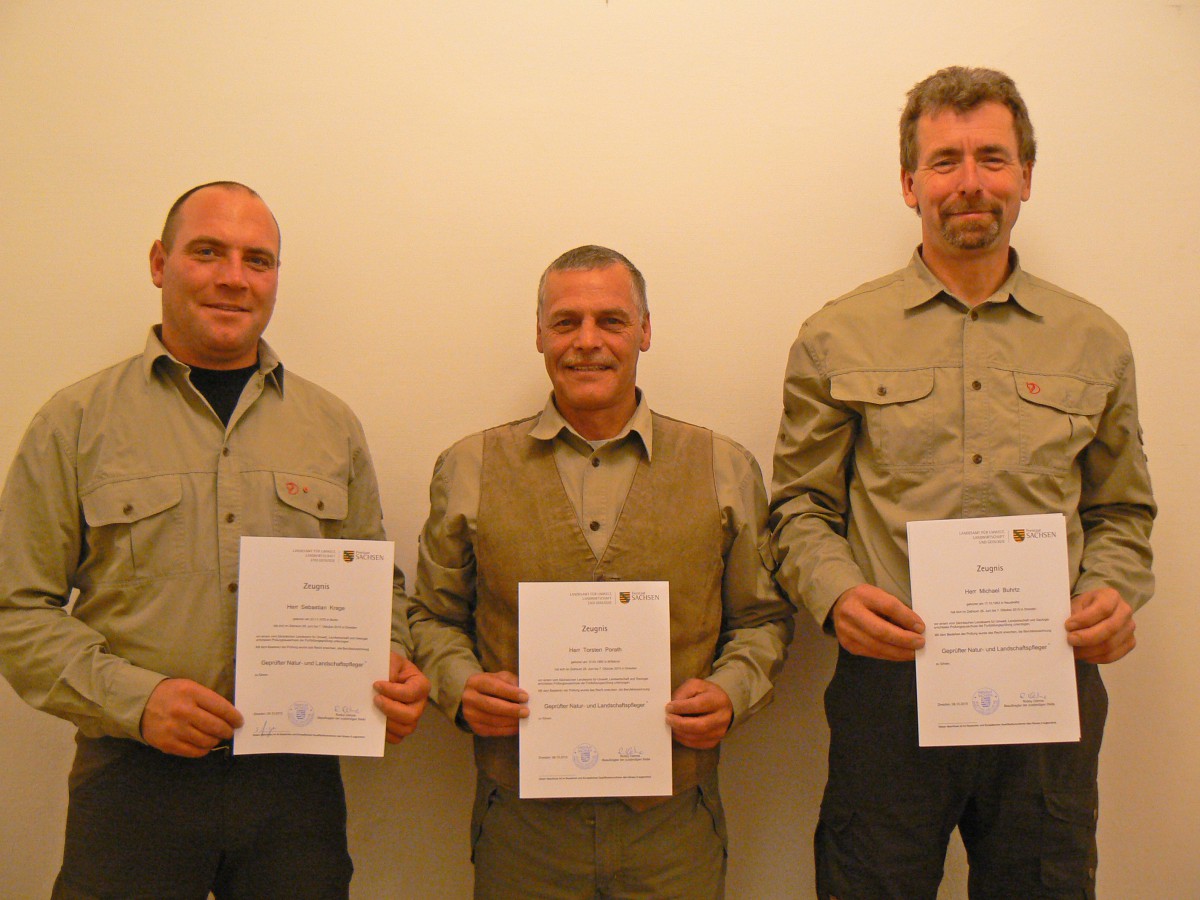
[
  {"x": 903, "y": 403},
  {"x": 128, "y": 488},
  {"x": 596, "y": 482}
]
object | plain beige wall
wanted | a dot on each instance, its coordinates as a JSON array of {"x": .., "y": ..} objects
[{"x": 426, "y": 160}]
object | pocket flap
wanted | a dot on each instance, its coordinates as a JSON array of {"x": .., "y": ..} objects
[
  {"x": 318, "y": 498},
  {"x": 1072, "y": 806},
  {"x": 122, "y": 502},
  {"x": 1063, "y": 392},
  {"x": 882, "y": 386}
]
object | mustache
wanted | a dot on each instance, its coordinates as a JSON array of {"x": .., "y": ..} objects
[{"x": 601, "y": 360}]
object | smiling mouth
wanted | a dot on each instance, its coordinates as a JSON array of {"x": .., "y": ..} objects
[
  {"x": 591, "y": 365},
  {"x": 972, "y": 211}
]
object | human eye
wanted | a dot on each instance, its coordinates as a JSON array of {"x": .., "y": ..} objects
[
  {"x": 203, "y": 250},
  {"x": 261, "y": 262},
  {"x": 944, "y": 165}
]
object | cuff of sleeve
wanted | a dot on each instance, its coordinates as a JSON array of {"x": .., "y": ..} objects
[
  {"x": 735, "y": 687},
  {"x": 448, "y": 690},
  {"x": 825, "y": 590},
  {"x": 1085, "y": 584},
  {"x": 128, "y": 690}
]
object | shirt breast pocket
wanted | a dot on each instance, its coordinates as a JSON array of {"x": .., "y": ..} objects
[
  {"x": 135, "y": 528},
  {"x": 1057, "y": 416},
  {"x": 899, "y": 426},
  {"x": 308, "y": 507}
]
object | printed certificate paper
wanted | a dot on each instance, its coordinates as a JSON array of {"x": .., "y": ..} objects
[
  {"x": 596, "y": 662},
  {"x": 996, "y": 667},
  {"x": 313, "y": 634}
]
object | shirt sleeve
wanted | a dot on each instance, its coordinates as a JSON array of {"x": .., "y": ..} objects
[
  {"x": 757, "y": 621},
  {"x": 364, "y": 522},
  {"x": 54, "y": 661},
  {"x": 441, "y": 611},
  {"x": 809, "y": 494},
  {"x": 1116, "y": 506}
]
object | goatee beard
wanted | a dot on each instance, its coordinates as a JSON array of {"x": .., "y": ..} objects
[{"x": 971, "y": 238}]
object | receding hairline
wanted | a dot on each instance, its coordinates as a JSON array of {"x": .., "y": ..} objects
[
  {"x": 591, "y": 257},
  {"x": 171, "y": 224}
]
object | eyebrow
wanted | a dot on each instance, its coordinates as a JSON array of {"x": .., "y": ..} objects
[{"x": 944, "y": 152}]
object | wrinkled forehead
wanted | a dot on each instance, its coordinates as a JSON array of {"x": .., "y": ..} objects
[
  {"x": 988, "y": 123},
  {"x": 611, "y": 284}
]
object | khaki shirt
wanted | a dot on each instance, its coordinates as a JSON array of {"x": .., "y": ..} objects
[
  {"x": 596, "y": 483},
  {"x": 128, "y": 489},
  {"x": 902, "y": 403}
]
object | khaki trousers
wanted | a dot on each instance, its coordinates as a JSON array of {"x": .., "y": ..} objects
[{"x": 588, "y": 849}]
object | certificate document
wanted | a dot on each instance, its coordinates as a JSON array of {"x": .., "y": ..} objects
[
  {"x": 996, "y": 667},
  {"x": 596, "y": 663},
  {"x": 313, "y": 634}
]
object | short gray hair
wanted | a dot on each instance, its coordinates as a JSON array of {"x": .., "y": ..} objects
[{"x": 592, "y": 256}]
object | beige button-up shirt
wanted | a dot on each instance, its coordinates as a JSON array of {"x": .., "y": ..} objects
[
  {"x": 902, "y": 403},
  {"x": 128, "y": 489}
]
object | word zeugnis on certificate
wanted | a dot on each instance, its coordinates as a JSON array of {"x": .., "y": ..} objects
[
  {"x": 595, "y": 658},
  {"x": 313, "y": 635},
  {"x": 996, "y": 667}
]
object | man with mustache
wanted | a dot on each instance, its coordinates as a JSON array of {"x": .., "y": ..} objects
[
  {"x": 598, "y": 488},
  {"x": 960, "y": 386},
  {"x": 131, "y": 490}
]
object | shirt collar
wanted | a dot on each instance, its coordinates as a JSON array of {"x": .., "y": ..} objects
[
  {"x": 268, "y": 363},
  {"x": 551, "y": 425},
  {"x": 922, "y": 285}
]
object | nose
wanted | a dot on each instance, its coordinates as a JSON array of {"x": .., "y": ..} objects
[
  {"x": 587, "y": 336},
  {"x": 969, "y": 177},
  {"x": 233, "y": 271}
]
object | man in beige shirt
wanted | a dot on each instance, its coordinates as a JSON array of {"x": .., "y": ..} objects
[
  {"x": 597, "y": 487},
  {"x": 133, "y": 489},
  {"x": 960, "y": 386}
]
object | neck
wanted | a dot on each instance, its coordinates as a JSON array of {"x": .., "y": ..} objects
[{"x": 970, "y": 275}]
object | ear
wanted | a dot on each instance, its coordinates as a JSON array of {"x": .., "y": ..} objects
[
  {"x": 158, "y": 259},
  {"x": 645, "y": 333},
  {"x": 539, "y": 335},
  {"x": 906, "y": 189},
  {"x": 1027, "y": 172}
]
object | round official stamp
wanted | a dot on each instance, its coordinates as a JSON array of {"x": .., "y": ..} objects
[
  {"x": 986, "y": 701},
  {"x": 301, "y": 713},
  {"x": 585, "y": 756}
]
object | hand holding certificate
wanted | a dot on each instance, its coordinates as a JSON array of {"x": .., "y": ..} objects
[
  {"x": 313, "y": 635},
  {"x": 996, "y": 667},
  {"x": 595, "y": 660}
]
